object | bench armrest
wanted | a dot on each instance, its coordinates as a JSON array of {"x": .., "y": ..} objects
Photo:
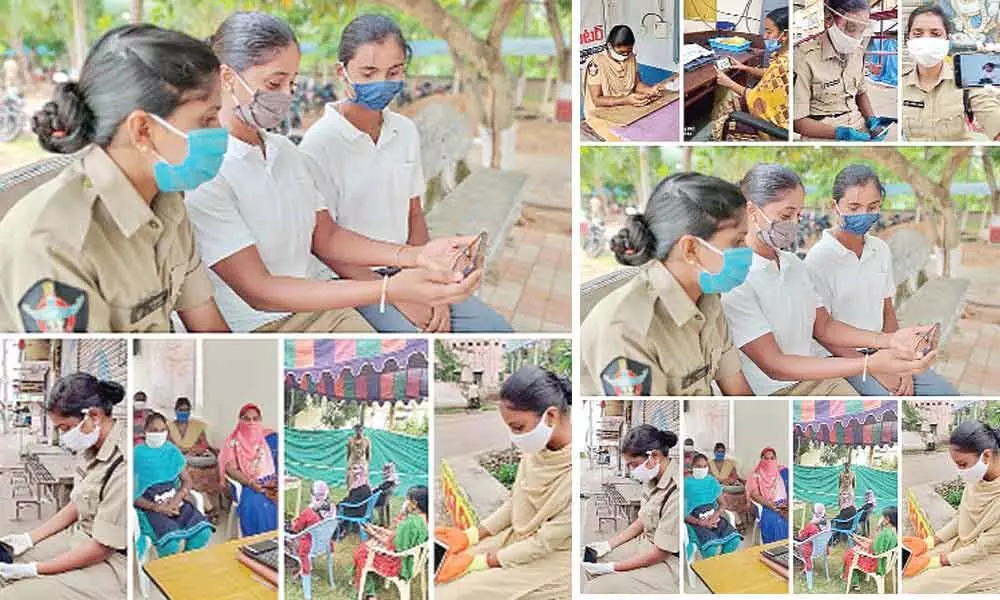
[{"x": 761, "y": 125}]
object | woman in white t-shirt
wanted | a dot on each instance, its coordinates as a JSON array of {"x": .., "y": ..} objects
[
  {"x": 775, "y": 314},
  {"x": 369, "y": 158},
  {"x": 261, "y": 221}
]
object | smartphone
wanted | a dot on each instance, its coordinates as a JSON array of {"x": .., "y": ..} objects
[
  {"x": 472, "y": 256},
  {"x": 262, "y": 547},
  {"x": 977, "y": 69},
  {"x": 589, "y": 555},
  {"x": 886, "y": 124},
  {"x": 906, "y": 556},
  {"x": 931, "y": 339},
  {"x": 440, "y": 551},
  {"x": 6, "y": 553},
  {"x": 724, "y": 63}
]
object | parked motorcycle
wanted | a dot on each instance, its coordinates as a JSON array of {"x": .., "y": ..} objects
[
  {"x": 12, "y": 116},
  {"x": 594, "y": 242}
]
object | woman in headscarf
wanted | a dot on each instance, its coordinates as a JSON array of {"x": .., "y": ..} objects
[
  {"x": 165, "y": 513},
  {"x": 815, "y": 525},
  {"x": 704, "y": 515},
  {"x": 390, "y": 481},
  {"x": 248, "y": 459},
  {"x": 409, "y": 531},
  {"x": 318, "y": 510},
  {"x": 886, "y": 538},
  {"x": 847, "y": 511},
  {"x": 358, "y": 490},
  {"x": 189, "y": 435},
  {"x": 768, "y": 487}
]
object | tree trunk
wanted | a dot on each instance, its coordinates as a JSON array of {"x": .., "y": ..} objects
[
  {"x": 136, "y": 12},
  {"x": 562, "y": 50},
  {"x": 686, "y": 159},
  {"x": 79, "y": 33},
  {"x": 991, "y": 181},
  {"x": 22, "y": 59},
  {"x": 643, "y": 175}
]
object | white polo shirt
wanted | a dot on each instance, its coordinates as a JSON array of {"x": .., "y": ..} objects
[
  {"x": 268, "y": 203},
  {"x": 771, "y": 300},
  {"x": 853, "y": 289},
  {"x": 368, "y": 185}
]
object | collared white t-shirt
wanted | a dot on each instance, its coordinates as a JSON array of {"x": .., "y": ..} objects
[
  {"x": 368, "y": 185},
  {"x": 771, "y": 300},
  {"x": 853, "y": 289},
  {"x": 270, "y": 203}
]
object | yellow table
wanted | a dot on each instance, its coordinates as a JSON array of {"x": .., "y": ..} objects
[
  {"x": 213, "y": 572},
  {"x": 741, "y": 572}
]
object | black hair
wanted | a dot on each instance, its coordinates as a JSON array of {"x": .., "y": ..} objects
[
  {"x": 182, "y": 401},
  {"x": 370, "y": 29},
  {"x": 779, "y": 17},
  {"x": 930, "y": 8},
  {"x": 154, "y": 416},
  {"x": 621, "y": 35},
  {"x": 975, "y": 436},
  {"x": 139, "y": 396},
  {"x": 848, "y": 6},
  {"x": 646, "y": 438},
  {"x": 132, "y": 67},
  {"x": 688, "y": 441},
  {"x": 418, "y": 495},
  {"x": 720, "y": 445},
  {"x": 72, "y": 394},
  {"x": 855, "y": 175},
  {"x": 536, "y": 389},
  {"x": 891, "y": 514},
  {"x": 685, "y": 203},
  {"x": 698, "y": 455},
  {"x": 763, "y": 182},
  {"x": 248, "y": 39}
]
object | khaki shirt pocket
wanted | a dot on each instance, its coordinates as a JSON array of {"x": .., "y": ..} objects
[
  {"x": 696, "y": 382},
  {"x": 827, "y": 96},
  {"x": 146, "y": 315}
]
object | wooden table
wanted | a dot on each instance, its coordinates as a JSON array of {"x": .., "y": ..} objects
[
  {"x": 741, "y": 572},
  {"x": 212, "y": 573}
]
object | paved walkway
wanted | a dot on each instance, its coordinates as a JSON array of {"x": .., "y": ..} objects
[{"x": 468, "y": 433}]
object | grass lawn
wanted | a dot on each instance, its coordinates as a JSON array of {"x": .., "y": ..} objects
[{"x": 343, "y": 559}]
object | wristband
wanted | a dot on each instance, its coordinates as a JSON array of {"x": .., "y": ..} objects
[{"x": 385, "y": 289}]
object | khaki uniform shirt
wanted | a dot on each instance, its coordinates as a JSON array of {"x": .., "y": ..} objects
[
  {"x": 658, "y": 511},
  {"x": 84, "y": 252},
  {"x": 103, "y": 516},
  {"x": 826, "y": 83},
  {"x": 358, "y": 450},
  {"x": 938, "y": 114},
  {"x": 648, "y": 338}
]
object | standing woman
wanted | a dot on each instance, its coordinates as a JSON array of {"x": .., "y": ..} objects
[
  {"x": 663, "y": 333},
  {"x": 369, "y": 169},
  {"x": 642, "y": 559},
  {"x": 262, "y": 222},
  {"x": 106, "y": 246},
  {"x": 81, "y": 552},
  {"x": 247, "y": 458},
  {"x": 522, "y": 551}
]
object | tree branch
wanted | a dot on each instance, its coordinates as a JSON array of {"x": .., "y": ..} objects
[
  {"x": 506, "y": 12},
  {"x": 562, "y": 52}
]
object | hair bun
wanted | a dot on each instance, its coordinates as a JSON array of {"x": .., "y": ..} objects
[
  {"x": 65, "y": 124},
  {"x": 634, "y": 244},
  {"x": 669, "y": 438},
  {"x": 112, "y": 392}
]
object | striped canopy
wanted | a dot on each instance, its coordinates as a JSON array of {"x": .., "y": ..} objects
[
  {"x": 848, "y": 422},
  {"x": 370, "y": 371}
]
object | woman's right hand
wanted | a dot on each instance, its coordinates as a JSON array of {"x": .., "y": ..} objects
[
  {"x": 886, "y": 362},
  {"x": 418, "y": 314},
  {"x": 453, "y": 537},
  {"x": 420, "y": 286},
  {"x": 636, "y": 99},
  {"x": 18, "y": 542}
]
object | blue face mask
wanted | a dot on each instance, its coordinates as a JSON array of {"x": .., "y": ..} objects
[
  {"x": 374, "y": 95},
  {"x": 858, "y": 224},
  {"x": 772, "y": 45},
  {"x": 720, "y": 456},
  {"x": 183, "y": 416},
  {"x": 735, "y": 266},
  {"x": 206, "y": 149}
]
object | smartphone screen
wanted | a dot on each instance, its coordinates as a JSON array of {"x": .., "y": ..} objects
[
  {"x": 724, "y": 63},
  {"x": 440, "y": 551},
  {"x": 977, "y": 69}
]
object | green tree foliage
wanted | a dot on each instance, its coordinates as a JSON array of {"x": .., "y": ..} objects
[
  {"x": 559, "y": 358},
  {"x": 340, "y": 414},
  {"x": 447, "y": 366},
  {"x": 911, "y": 418}
]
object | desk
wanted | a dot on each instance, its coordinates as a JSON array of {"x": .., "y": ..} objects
[
  {"x": 663, "y": 125},
  {"x": 701, "y": 81},
  {"x": 741, "y": 572},
  {"x": 63, "y": 469},
  {"x": 211, "y": 573}
]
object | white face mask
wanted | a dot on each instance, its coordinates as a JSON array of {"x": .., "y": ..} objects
[
  {"x": 699, "y": 472},
  {"x": 535, "y": 440},
  {"x": 75, "y": 440},
  {"x": 928, "y": 51},
  {"x": 974, "y": 473},
  {"x": 616, "y": 56},
  {"x": 644, "y": 474},
  {"x": 843, "y": 43},
  {"x": 155, "y": 439}
]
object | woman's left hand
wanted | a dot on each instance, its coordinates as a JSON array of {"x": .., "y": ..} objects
[
  {"x": 724, "y": 80},
  {"x": 441, "y": 255},
  {"x": 440, "y": 320},
  {"x": 15, "y": 571},
  {"x": 906, "y": 342},
  {"x": 598, "y": 569},
  {"x": 459, "y": 565}
]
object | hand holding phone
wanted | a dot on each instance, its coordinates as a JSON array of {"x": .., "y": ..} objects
[
  {"x": 930, "y": 340},
  {"x": 472, "y": 257},
  {"x": 724, "y": 63}
]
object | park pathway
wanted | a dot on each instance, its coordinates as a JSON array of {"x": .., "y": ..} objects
[{"x": 468, "y": 433}]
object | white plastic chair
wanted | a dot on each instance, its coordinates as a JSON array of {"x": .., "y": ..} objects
[
  {"x": 233, "y": 524},
  {"x": 418, "y": 553},
  {"x": 890, "y": 568},
  {"x": 759, "y": 509},
  {"x": 144, "y": 556}
]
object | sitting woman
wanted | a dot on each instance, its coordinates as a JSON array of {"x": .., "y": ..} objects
[
  {"x": 410, "y": 531},
  {"x": 166, "y": 514},
  {"x": 612, "y": 79},
  {"x": 318, "y": 510},
  {"x": 703, "y": 513},
  {"x": 390, "y": 481},
  {"x": 358, "y": 490},
  {"x": 815, "y": 525},
  {"x": 843, "y": 519},
  {"x": 768, "y": 100},
  {"x": 868, "y": 508},
  {"x": 768, "y": 487},
  {"x": 188, "y": 434},
  {"x": 734, "y": 496},
  {"x": 886, "y": 538},
  {"x": 248, "y": 459},
  {"x": 964, "y": 555}
]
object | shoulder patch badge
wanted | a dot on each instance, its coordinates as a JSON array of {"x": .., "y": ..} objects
[
  {"x": 50, "y": 306},
  {"x": 626, "y": 377},
  {"x": 592, "y": 68}
]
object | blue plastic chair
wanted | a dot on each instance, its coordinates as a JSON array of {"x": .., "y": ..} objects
[
  {"x": 820, "y": 543},
  {"x": 369, "y": 505},
  {"x": 322, "y": 534},
  {"x": 846, "y": 527}
]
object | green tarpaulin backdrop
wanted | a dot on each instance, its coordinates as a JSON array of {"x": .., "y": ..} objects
[
  {"x": 821, "y": 484},
  {"x": 323, "y": 455}
]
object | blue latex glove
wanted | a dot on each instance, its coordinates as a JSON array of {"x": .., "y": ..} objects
[
  {"x": 849, "y": 134},
  {"x": 874, "y": 122}
]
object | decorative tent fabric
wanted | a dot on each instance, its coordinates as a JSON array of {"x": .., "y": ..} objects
[
  {"x": 847, "y": 422},
  {"x": 376, "y": 370},
  {"x": 322, "y": 455},
  {"x": 821, "y": 484}
]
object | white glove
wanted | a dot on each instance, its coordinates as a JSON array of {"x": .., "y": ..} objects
[
  {"x": 596, "y": 569},
  {"x": 601, "y": 548},
  {"x": 15, "y": 571},
  {"x": 20, "y": 542}
]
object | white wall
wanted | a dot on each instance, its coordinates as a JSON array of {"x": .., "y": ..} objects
[
  {"x": 726, "y": 10},
  {"x": 707, "y": 422},
  {"x": 165, "y": 370},
  {"x": 649, "y": 49},
  {"x": 759, "y": 423},
  {"x": 235, "y": 372}
]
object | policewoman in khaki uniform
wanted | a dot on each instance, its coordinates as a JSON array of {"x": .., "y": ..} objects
[
  {"x": 359, "y": 449},
  {"x": 935, "y": 108},
  {"x": 107, "y": 246},
  {"x": 80, "y": 553},
  {"x": 663, "y": 333},
  {"x": 643, "y": 559},
  {"x": 522, "y": 551},
  {"x": 831, "y": 97}
]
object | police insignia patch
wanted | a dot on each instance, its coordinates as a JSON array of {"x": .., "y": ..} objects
[
  {"x": 592, "y": 68},
  {"x": 626, "y": 377},
  {"x": 50, "y": 306}
]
